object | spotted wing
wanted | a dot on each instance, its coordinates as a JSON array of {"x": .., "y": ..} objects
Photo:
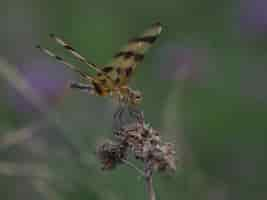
[{"x": 125, "y": 61}]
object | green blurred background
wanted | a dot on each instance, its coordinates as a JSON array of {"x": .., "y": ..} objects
[{"x": 204, "y": 85}]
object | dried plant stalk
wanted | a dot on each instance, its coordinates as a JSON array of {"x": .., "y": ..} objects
[
  {"x": 150, "y": 189},
  {"x": 131, "y": 135}
]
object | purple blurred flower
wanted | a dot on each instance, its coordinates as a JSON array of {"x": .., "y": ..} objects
[
  {"x": 180, "y": 63},
  {"x": 253, "y": 15},
  {"x": 48, "y": 81}
]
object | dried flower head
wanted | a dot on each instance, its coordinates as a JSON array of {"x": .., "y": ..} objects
[
  {"x": 146, "y": 145},
  {"x": 139, "y": 139},
  {"x": 110, "y": 154}
]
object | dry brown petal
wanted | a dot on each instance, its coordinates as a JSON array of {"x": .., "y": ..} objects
[{"x": 110, "y": 154}]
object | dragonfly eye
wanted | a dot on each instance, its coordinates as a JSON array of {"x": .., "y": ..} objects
[{"x": 137, "y": 96}]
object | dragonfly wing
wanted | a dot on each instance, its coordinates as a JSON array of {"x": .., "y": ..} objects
[{"x": 125, "y": 61}]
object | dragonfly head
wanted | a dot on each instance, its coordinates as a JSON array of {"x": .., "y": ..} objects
[
  {"x": 129, "y": 96},
  {"x": 135, "y": 97}
]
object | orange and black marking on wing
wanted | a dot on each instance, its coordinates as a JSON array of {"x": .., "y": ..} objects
[
  {"x": 95, "y": 86},
  {"x": 113, "y": 77},
  {"x": 148, "y": 39},
  {"x": 125, "y": 61},
  {"x": 130, "y": 54},
  {"x": 74, "y": 52},
  {"x": 63, "y": 61}
]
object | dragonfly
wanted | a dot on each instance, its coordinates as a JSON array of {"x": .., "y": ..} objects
[{"x": 111, "y": 79}]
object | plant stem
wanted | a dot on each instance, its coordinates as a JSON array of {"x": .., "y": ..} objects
[
  {"x": 134, "y": 167},
  {"x": 150, "y": 189}
]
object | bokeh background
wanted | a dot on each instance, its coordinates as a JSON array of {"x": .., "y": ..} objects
[{"x": 204, "y": 85}]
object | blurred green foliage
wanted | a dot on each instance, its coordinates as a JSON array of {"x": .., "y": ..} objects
[{"x": 217, "y": 110}]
